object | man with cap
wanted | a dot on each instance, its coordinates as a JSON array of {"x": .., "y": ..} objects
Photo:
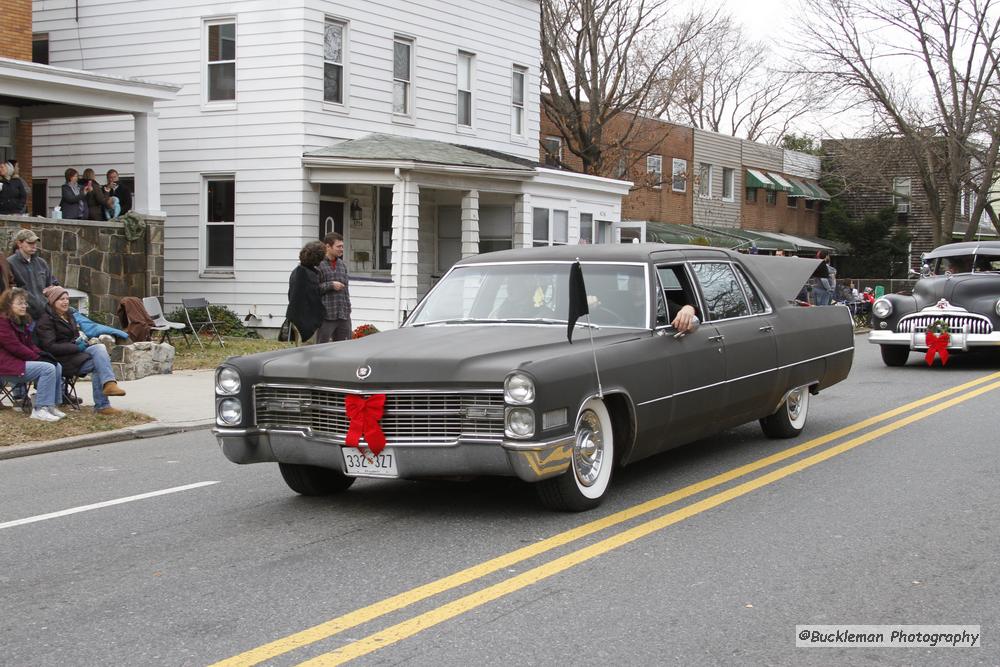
[
  {"x": 13, "y": 194},
  {"x": 30, "y": 271}
]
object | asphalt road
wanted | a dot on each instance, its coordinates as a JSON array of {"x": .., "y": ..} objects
[{"x": 708, "y": 555}]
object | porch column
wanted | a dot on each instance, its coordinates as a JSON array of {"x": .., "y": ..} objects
[
  {"x": 524, "y": 231},
  {"x": 405, "y": 235},
  {"x": 147, "y": 164},
  {"x": 470, "y": 223}
]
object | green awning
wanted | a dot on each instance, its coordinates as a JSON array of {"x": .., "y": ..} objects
[
  {"x": 783, "y": 184},
  {"x": 818, "y": 192},
  {"x": 757, "y": 179},
  {"x": 665, "y": 232},
  {"x": 800, "y": 189},
  {"x": 750, "y": 239}
]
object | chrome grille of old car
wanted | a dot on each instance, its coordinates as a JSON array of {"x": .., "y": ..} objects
[
  {"x": 409, "y": 417},
  {"x": 970, "y": 323}
]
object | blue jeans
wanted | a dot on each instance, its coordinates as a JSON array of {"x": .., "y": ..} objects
[
  {"x": 99, "y": 369},
  {"x": 49, "y": 380}
]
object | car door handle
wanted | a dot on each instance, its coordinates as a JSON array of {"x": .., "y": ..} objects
[
  {"x": 716, "y": 339},
  {"x": 765, "y": 329}
]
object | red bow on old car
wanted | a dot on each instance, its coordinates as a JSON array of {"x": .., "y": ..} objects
[
  {"x": 364, "y": 415},
  {"x": 936, "y": 345}
]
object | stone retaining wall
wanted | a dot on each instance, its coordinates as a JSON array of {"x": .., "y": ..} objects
[
  {"x": 131, "y": 362},
  {"x": 95, "y": 257}
]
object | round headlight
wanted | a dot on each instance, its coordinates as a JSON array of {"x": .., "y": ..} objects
[
  {"x": 520, "y": 422},
  {"x": 997, "y": 307},
  {"x": 230, "y": 411},
  {"x": 519, "y": 389},
  {"x": 882, "y": 309},
  {"x": 227, "y": 381}
]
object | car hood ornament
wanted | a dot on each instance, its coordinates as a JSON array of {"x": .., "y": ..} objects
[{"x": 363, "y": 372}]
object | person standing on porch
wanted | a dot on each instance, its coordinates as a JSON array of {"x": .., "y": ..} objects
[
  {"x": 13, "y": 193},
  {"x": 333, "y": 282}
]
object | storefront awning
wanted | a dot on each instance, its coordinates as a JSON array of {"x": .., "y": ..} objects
[
  {"x": 757, "y": 179},
  {"x": 751, "y": 239},
  {"x": 783, "y": 184},
  {"x": 800, "y": 189},
  {"x": 803, "y": 244},
  {"x": 818, "y": 193}
]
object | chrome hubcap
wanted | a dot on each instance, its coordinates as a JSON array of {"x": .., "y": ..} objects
[
  {"x": 795, "y": 404},
  {"x": 588, "y": 452}
]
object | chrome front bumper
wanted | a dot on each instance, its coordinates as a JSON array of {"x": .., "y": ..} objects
[
  {"x": 916, "y": 341},
  {"x": 530, "y": 461}
]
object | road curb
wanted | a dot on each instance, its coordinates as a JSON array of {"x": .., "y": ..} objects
[{"x": 151, "y": 430}]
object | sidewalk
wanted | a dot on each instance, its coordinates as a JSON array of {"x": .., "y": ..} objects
[{"x": 179, "y": 401}]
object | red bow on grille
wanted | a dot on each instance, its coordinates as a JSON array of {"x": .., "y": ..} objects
[
  {"x": 364, "y": 415},
  {"x": 936, "y": 345}
]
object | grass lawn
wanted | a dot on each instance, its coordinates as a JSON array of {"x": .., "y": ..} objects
[
  {"x": 16, "y": 427},
  {"x": 193, "y": 358}
]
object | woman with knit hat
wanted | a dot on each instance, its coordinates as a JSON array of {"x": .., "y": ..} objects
[
  {"x": 20, "y": 357},
  {"x": 59, "y": 335}
]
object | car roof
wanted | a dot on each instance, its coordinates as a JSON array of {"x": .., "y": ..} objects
[
  {"x": 602, "y": 252},
  {"x": 964, "y": 248}
]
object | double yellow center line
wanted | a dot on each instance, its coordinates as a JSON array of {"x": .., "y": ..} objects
[{"x": 939, "y": 401}]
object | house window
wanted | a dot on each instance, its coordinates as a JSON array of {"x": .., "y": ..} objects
[
  {"x": 553, "y": 151},
  {"x": 679, "y": 173},
  {"x": 334, "y": 33},
  {"x": 496, "y": 228},
  {"x": 790, "y": 201},
  {"x": 40, "y": 196},
  {"x": 654, "y": 166},
  {"x": 402, "y": 75},
  {"x": 519, "y": 78},
  {"x": 810, "y": 205},
  {"x": 586, "y": 228},
  {"x": 465, "y": 88},
  {"x": 728, "y": 184},
  {"x": 221, "y": 36},
  {"x": 220, "y": 222},
  {"x": 901, "y": 192},
  {"x": 772, "y": 197},
  {"x": 550, "y": 227},
  {"x": 6, "y": 138},
  {"x": 705, "y": 180},
  {"x": 40, "y": 48},
  {"x": 751, "y": 195}
]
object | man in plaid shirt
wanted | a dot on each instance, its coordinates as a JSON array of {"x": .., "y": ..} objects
[{"x": 333, "y": 289}]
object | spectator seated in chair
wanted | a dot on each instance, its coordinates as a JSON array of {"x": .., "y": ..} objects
[
  {"x": 21, "y": 360},
  {"x": 59, "y": 335}
]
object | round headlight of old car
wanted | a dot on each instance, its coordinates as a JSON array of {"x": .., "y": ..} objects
[
  {"x": 519, "y": 389},
  {"x": 996, "y": 308},
  {"x": 227, "y": 381},
  {"x": 230, "y": 411},
  {"x": 882, "y": 309},
  {"x": 520, "y": 423}
]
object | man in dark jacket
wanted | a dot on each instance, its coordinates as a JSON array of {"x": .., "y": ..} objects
[
  {"x": 13, "y": 194},
  {"x": 115, "y": 189},
  {"x": 31, "y": 271}
]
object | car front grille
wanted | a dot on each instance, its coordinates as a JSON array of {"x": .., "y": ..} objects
[
  {"x": 974, "y": 324},
  {"x": 408, "y": 418}
]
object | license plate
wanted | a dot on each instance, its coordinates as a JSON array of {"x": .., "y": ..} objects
[{"x": 358, "y": 464}]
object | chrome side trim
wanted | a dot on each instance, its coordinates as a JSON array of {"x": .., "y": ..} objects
[{"x": 744, "y": 377}]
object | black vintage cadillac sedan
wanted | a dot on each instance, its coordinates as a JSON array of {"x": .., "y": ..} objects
[
  {"x": 960, "y": 289},
  {"x": 482, "y": 379}
]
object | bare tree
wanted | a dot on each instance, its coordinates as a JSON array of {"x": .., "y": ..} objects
[
  {"x": 928, "y": 71},
  {"x": 604, "y": 63},
  {"x": 724, "y": 83}
]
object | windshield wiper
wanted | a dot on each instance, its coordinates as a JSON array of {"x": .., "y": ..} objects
[
  {"x": 546, "y": 320},
  {"x": 459, "y": 320}
]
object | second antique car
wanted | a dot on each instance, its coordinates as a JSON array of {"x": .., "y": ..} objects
[
  {"x": 959, "y": 294},
  {"x": 482, "y": 379}
]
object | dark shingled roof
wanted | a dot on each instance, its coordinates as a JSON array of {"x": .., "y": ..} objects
[{"x": 425, "y": 151}]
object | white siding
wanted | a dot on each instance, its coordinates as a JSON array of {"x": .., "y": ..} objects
[
  {"x": 803, "y": 165},
  {"x": 279, "y": 114},
  {"x": 761, "y": 156},
  {"x": 720, "y": 151}
]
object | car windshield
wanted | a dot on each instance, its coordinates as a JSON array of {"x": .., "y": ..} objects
[
  {"x": 535, "y": 293},
  {"x": 940, "y": 266}
]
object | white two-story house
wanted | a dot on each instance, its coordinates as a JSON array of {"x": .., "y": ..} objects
[{"x": 410, "y": 126}]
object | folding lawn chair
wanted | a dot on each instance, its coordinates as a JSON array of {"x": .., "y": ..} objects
[
  {"x": 161, "y": 323},
  {"x": 204, "y": 325}
]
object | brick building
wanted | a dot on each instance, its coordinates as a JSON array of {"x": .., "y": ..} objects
[{"x": 15, "y": 135}]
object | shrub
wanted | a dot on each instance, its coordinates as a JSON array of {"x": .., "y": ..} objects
[
  {"x": 228, "y": 322},
  {"x": 364, "y": 330}
]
